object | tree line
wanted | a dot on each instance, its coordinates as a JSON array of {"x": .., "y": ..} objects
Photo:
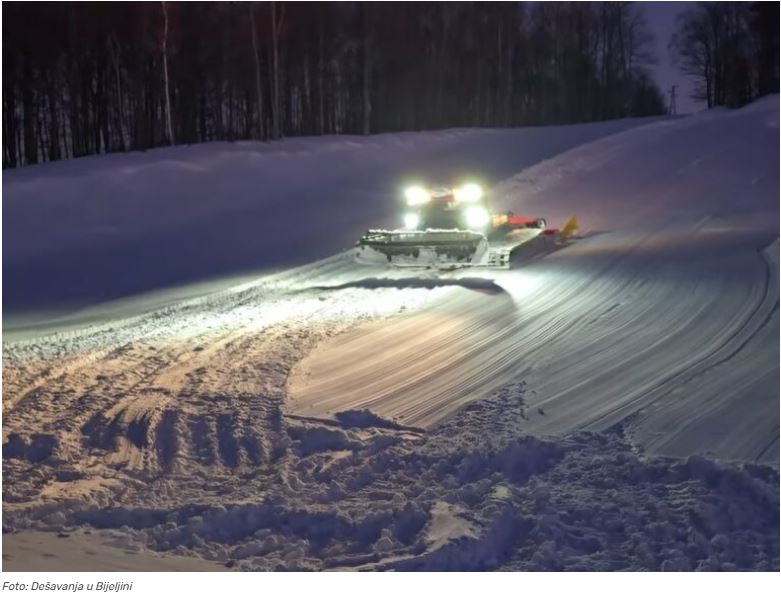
[
  {"x": 96, "y": 77},
  {"x": 731, "y": 50}
]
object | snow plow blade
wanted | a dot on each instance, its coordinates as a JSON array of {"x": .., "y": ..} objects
[
  {"x": 432, "y": 248},
  {"x": 447, "y": 249}
]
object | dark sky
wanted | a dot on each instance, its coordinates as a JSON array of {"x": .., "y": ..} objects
[{"x": 661, "y": 18}]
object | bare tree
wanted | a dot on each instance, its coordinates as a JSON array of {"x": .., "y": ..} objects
[
  {"x": 256, "y": 56},
  {"x": 367, "y": 67},
  {"x": 692, "y": 49},
  {"x": 321, "y": 71},
  {"x": 276, "y": 28},
  {"x": 715, "y": 44},
  {"x": 169, "y": 125},
  {"x": 86, "y": 78}
]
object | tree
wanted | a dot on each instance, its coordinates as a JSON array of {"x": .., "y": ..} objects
[
  {"x": 164, "y": 47},
  {"x": 731, "y": 54},
  {"x": 277, "y": 19},
  {"x": 764, "y": 27},
  {"x": 367, "y": 68},
  {"x": 86, "y": 78},
  {"x": 256, "y": 57}
]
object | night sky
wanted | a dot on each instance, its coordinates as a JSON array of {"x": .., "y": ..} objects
[{"x": 661, "y": 18}]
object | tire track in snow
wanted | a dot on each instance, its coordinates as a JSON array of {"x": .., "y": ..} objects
[{"x": 190, "y": 397}]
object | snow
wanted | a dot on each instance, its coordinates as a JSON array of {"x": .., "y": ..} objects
[
  {"x": 667, "y": 324},
  {"x": 100, "y": 228},
  {"x": 79, "y": 551},
  {"x": 610, "y": 405},
  {"x": 721, "y": 165}
]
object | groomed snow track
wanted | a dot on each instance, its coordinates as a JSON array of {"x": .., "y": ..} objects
[{"x": 669, "y": 334}]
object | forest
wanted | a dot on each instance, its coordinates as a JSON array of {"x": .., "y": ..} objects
[
  {"x": 97, "y": 77},
  {"x": 731, "y": 50}
]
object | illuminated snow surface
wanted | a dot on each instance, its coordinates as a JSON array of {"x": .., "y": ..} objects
[{"x": 610, "y": 405}]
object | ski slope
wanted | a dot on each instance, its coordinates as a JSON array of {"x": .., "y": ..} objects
[
  {"x": 666, "y": 323},
  {"x": 672, "y": 335},
  {"x": 83, "y": 232},
  {"x": 612, "y": 405}
]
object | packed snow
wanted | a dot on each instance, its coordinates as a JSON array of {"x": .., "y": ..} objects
[{"x": 611, "y": 404}]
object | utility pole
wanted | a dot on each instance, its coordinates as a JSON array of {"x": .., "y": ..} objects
[{"x": 673, "y": 107}]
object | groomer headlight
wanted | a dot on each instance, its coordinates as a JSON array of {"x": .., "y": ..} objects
[
  {"x": 416, "y": 195},
  {"x": 476, "y": 218},
  {"x": 468, "y": 193}
]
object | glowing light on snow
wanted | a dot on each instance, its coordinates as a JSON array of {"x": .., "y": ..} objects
[
  {"x": 416, "y": 195},
  {"x": 519, "y": 285},
  {"x": 468, "y": 193},
  {"x": 411, "y": 220}
]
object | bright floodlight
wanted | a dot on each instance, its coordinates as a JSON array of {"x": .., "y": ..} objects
[
  {"x": 416, "y": 195},
  {"x": 469, "y": 193},
  {"x": 411, "y": 220},
  {"x": 476, "y": 217}
]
